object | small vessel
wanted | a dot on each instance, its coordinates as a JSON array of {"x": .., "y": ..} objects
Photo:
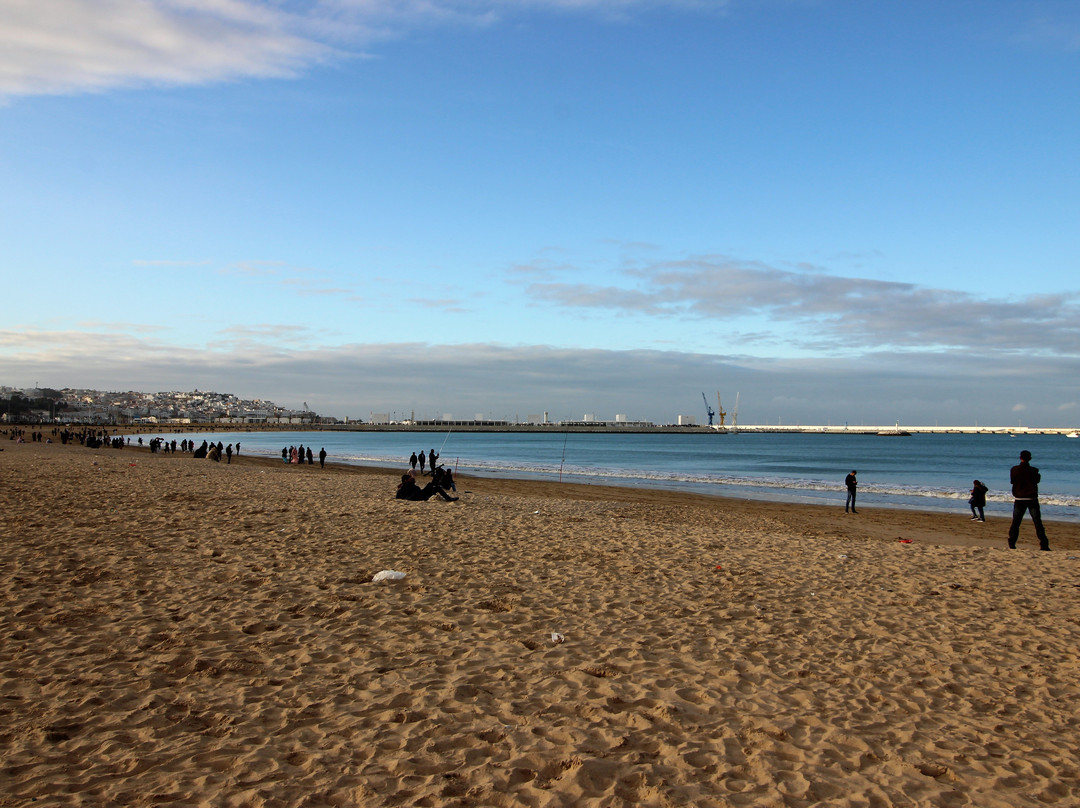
[
  {"x": 894, "y": 433},
  {"x": 1073, "y": 434}
]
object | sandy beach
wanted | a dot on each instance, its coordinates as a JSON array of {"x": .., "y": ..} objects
[{"x": 188, "y": 633}]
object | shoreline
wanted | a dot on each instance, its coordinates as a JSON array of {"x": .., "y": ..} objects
[
  {"x": 608, "y": 427},
  {"x": 209, "y": 634},
  {"x": 657, "y": 492}
]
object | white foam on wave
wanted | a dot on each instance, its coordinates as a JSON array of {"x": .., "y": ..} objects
[{"x": 814, "y": 488}]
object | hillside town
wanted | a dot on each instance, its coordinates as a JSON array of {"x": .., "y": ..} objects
[{"x": 45, "y": 405}]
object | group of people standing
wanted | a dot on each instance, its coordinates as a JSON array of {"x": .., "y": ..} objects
[
  {"x": 423, "y": 460},
  {"x": 297, "y": 456},
  {"x": 210, "y": 451},
  {"x": 1023, "y": 477}
]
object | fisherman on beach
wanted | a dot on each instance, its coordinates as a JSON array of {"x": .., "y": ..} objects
[
  {"x": 851, "y": 484},
  {"x": 1025, "y": 480}
]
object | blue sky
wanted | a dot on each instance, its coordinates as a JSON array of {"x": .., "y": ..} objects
[{"x": 844, "y": 211}]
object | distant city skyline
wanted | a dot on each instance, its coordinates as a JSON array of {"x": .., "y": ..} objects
[{"x": 840, "y": 211}]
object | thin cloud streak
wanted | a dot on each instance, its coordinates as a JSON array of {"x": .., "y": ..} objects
[{"x": 833, "y": 313}]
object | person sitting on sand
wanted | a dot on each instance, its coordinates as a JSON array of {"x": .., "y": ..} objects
[
  {"x": 443, "y": 478},
  {"x": 408, "y": 489}
]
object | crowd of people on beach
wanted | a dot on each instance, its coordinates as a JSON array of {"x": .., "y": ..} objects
[
  {"x": 19, "y": 436},
  {"x": 90, "y": 438},
  {"x": 1024, "y": 478}
]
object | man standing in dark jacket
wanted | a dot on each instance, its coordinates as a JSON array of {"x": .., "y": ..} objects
[
  {"x": 1025, "y": 488},
  {"x": 851, "y": 482}
]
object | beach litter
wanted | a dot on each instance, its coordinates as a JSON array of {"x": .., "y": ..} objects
[
  {"x": 387, "y": 575},
  {"x": 903, "y": 541},
  {"x": 557, "y": 638}
]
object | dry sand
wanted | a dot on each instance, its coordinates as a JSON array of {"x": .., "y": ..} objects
[{"x": 187, "y": 633}]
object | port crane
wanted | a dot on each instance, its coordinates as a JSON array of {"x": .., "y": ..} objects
[
  {"x": 708, "y": 409},
  {"x": 720, "y": 409}
]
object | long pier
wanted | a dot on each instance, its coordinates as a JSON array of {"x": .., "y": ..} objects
[
  {"x": 884, "y": 430},
  {"x": 894, "y": 429}
]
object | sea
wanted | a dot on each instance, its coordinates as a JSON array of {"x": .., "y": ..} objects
[{"x": 920, "y": 471}]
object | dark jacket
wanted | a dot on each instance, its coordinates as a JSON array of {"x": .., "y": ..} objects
[
  {"x": 1025, "y": 481},
  {"x": 410, "y": 490},
  {"x": 978, "y": 496}
]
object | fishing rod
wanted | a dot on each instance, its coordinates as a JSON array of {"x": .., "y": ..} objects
[{"x": 566, "y": 437}]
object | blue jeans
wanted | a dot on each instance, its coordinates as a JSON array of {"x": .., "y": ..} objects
[
  {"x": 1032, "y": 507},
  {"x": 850, "y": 503}
]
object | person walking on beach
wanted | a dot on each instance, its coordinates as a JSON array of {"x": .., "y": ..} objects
[
  {"x": 412, "y": 461},
  {"x": 228, "y": 454},
  {"x": 322, "y": 458},
  {"x": 310, "y": 457},
  {"x": 978, "y": 501},
  {"x": 851, "y": 484},
  {"x": 1025, "y": 479},
  {"x": 423, "y": 460}
]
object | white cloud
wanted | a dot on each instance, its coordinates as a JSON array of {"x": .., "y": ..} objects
[
  {"x": 170, "y": 263},
  {"x": 50, "y": 47},
  {"x": 64, "y": 46}
]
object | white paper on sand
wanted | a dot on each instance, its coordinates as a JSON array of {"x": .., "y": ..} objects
[{"x": 387, "y": 575}]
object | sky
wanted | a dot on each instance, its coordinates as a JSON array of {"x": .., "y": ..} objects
[{"x": 838, "y": 211}]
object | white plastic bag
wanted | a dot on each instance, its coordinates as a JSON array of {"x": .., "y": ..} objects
[{"x": 387, "y": 575}]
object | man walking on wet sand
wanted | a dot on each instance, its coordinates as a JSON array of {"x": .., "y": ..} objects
[{"x": 1025, "y": 488}]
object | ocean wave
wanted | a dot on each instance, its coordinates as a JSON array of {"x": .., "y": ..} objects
[
  {"x": 705, "y": 481},
  {"x": 711, "y": 479}
]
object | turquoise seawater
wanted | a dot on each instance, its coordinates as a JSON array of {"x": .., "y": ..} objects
[{"x": 931, "y": 472}]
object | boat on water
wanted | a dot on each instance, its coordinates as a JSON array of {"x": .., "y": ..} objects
[
  {"x": 894, "y": 433},
  {"x": 1073, "y": 434}
]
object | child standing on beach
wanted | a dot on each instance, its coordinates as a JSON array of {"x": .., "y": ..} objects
[{"x": 978, "y": 501}]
